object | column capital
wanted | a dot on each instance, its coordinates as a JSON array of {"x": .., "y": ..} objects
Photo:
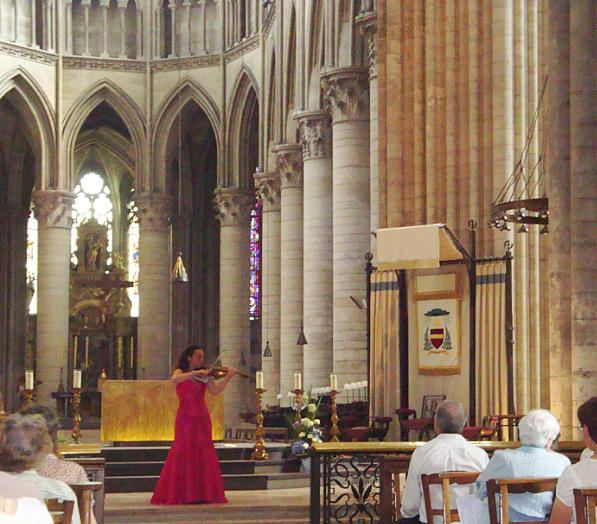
[
  {"x": 346, "y": 93},
  {"x": 267, "y": 189},
  {"x": 315, "y": 134},
  {"x": 54, "y": 208},
  {"x": 232, "y": 205},
  {"x": 155, "y": 211},
  {"x": 367, "y": 24},
  {"x": 289, "y": 165}
]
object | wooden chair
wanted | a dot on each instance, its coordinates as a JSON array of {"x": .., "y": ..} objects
[
  {"x": 84, "y": 492},
  {"x": 390, "y": 468},
  {"x": 585, "y": 502},
  {"x": 62, "y": 512},
  {"x": 502, "y": 487},
  {"x": 444, "y": 480}
]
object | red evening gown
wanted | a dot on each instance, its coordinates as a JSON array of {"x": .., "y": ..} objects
[{"x": 192, "y": 472}]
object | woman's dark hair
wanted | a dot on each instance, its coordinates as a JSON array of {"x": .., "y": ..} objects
[
  {"x": 25, "y": 442},
  {"x": 183, "y": 362},
  {"x": 49, "y": 415},
  {"x": 587, "y": 415}
]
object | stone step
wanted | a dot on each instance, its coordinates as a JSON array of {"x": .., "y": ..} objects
[
  {"x": 235, "y": 482},
  {"x": 134, "y": 469}
]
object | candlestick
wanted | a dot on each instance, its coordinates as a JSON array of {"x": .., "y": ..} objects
[
  {"x": 76, "y": 434},
  {"x": 259, "y": 452},
  {"x": 132, "y": 349},
  {"x": 75, "y": 343},
  {"x": 87, "y": 354},
  {"x": 298, "y": 381},
  {"x": 334, "y": 382},
  {"x": 334, "y": 429},
  {"x": 29, "y": 380},
  {"x": 258, "y": 379},
  {"x": 298, "y": 395}
]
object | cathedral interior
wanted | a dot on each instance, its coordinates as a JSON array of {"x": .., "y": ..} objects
[{"x": 274, "y": 145}]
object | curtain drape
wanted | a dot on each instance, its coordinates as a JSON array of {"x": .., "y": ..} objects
[
  {"x": 384, "y": 357},
  {"x": 491, "y": 365}
]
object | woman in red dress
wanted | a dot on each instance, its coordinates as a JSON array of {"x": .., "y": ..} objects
[{"x": 192, "y": 473}]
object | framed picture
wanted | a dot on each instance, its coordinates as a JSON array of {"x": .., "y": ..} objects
[{"x": 438, "y": 338}]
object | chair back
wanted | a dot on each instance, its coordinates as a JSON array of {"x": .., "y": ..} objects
[
  {"x": 390, "y": 468},
  {"x": 585, "y": 502},
  {"x": 62, "y": 512},
  {"x": 444, "y": 480},
  {"x": 502, "y": 487}
]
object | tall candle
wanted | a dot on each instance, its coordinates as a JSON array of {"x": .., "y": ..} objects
[
  {"x": 77, "y": 378},
  {"x": 86, "y": 352},
  {"x": 258, "y": 379},
  {"x": 120, "y": 352},
  {"x": 29, "y": 379},
  {"x": 334, "y": 382},
  {"x": 75, "y": 351},
  {"x": 132, "y": 349},
  {"x": 297, "y": 381}
]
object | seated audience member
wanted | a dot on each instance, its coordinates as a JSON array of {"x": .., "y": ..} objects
[
  {"x": 28, "y": 510},
  {"x": 583, "y": 474},
  {"x": 534, "y": 458},
  {"x": 25, "y": 444},
  {"x": 449, "y": 451},
  {"x": 12, "y": 488}
]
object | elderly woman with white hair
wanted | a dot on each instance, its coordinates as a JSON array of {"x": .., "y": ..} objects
[{"x": 534, "y": 458}]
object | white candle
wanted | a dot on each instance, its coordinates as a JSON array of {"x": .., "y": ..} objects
[
  {"x": 77, "y": 378},
  {"x": 29, "y": 379},
  {"x": 297, "y": 381},
  {"x": 334, "y": 382},
  {"x": 259, "y": 380}
]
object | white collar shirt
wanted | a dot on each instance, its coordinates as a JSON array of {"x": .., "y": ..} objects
[{"x": 446, "y": 452}]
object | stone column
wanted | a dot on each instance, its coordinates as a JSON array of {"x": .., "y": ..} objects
[
  {"x": 233, "y": 211},
  {"x": 558, "y": 169},
  {"x": 347, "y": 97},
  {"x": 290, "y": 172},
  {"x": 153, "y": 327},
  {"x": 316, "y": 138},
  {"x": 53, "y": 210},
  {"x": 268, "y": 191},
  {"x": 583, "y": 200},
  {"x": 368, "y": 25}
]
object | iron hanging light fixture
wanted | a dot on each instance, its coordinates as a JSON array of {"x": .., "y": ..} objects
[{"x": 179, "y": 272}]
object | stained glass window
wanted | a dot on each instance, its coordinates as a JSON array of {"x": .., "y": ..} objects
[
  {"x": 133, "y": 258},
  {"x": 255, "y": 263},
  {"x": 31, "y": 263},
  {"x": 92, "y": 200}
]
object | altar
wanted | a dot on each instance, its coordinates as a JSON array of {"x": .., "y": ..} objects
[{"x": 145, "y": 410}]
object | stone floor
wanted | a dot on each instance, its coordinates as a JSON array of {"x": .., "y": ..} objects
[{"x": 289, "y": 506}]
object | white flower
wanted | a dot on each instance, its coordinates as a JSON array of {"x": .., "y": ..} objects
[
  {"x": 301, "y": 434},
  {"x": 305, "y": 421},
  {"x": 305, "y": 445},
  {"x": 310, "y": 436},
  {"x": 309, "y": 423},
  {"x": 312, "y": 408},
  {"x": 316, "y": 421}
]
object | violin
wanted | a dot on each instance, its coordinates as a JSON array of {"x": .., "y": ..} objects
[{"x": 221, "y": 372}]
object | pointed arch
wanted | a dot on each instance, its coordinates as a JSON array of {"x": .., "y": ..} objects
[
  {"x": 28, "y": 98},
  {"x": 123, "y": 105},
  {"x": 243, "y": 113},
  {"x": 179, "y": 96}
]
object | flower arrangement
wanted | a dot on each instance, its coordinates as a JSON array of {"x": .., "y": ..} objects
[{"x": 305, "y": 430}]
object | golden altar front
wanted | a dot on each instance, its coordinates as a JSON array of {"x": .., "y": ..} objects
[{"x": 145, "y": 410}]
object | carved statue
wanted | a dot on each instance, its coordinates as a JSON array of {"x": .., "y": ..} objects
[{"x": 93, "y": 248}]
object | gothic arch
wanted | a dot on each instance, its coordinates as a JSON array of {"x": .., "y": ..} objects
[
  {"x": 125, "y": 108},
  {"x": 244, "y": 102},
  {"x": 182, "y": 93},
  {"x": 38, "y": 117}
]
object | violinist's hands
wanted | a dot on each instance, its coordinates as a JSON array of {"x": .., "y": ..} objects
[{"x": 200, "y": 372}]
